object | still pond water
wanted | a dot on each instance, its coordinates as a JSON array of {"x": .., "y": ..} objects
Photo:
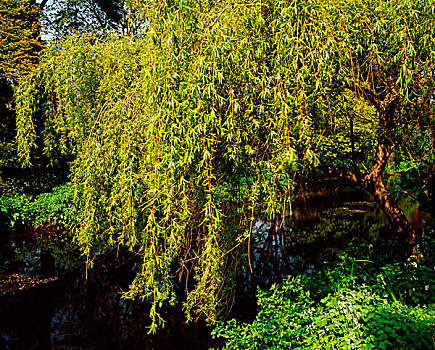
[{"x": 47, "y": 303}]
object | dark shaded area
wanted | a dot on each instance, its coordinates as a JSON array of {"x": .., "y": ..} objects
[
  {"x": 7, "y": 119},
  {"x": 34, "y": 180},
  {"x": 113, "y": 9},
  {"x": 75, "y": 312}
]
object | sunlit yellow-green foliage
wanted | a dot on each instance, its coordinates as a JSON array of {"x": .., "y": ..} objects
[
  {"x": 19, "y": 36},
  {"x": 186, "y": 133}
]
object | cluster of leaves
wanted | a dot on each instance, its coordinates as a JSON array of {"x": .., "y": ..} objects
[
  {"x": 46, "y": 209},
  {"x": 7, "y": 123},
  {"x": 358, "y": 304},
  {"x": 19, "y": 47},
  {"x": 347, "y": 136},
  {"x": 410, "y": 178}
]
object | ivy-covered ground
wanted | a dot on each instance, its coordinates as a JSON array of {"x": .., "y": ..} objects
[{"x": 371, "y": 299}]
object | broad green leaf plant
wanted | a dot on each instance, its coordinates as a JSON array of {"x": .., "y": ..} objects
[{"x": 187, "y": 132}]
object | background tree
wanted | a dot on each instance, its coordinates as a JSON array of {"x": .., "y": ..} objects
[
  {"x": 19, "y": 37},
  {"x": 61, "y": 17},
  {"x": 184, "y": 137}
]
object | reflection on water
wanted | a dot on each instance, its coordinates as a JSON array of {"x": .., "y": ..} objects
[
  {"x": 46, "y": 302},
  {"x": 322, "y": 220},
  {"x": 72, "y": 312}
]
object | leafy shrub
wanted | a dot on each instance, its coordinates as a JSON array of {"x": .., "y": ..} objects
[
  {"x": 337, "y": 309},
  {"x": 53, "y": 208}
]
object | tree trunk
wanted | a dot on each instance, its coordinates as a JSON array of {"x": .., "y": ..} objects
[
  {"x": 397, "y": 219},
  {"x": 374, "y": 184}
]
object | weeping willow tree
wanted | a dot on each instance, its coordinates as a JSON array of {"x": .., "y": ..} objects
[{"x": 185, "y": 134}]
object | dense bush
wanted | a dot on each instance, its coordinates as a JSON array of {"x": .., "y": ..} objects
[
  {"x": 27, "y": 211},
  {"x": 357, "y": 304}
]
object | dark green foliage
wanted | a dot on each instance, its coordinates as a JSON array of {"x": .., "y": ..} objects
[
  {"x": 46, "y": 209},
  {"x": 357, "y": 304},
  {"x": 413, "y": 178},
  {"x": 59, "y": 244},
  {"x": 7, "y": 120}
]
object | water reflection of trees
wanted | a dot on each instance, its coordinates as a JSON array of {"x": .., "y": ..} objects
[
  {"x": 321, "y": 222},
  {"x": 40, "y": 254}
]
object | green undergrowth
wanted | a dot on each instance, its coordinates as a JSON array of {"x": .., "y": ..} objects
[
  {"x": 369, "y": 300},
  {"x": 25, "y": 211}
]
